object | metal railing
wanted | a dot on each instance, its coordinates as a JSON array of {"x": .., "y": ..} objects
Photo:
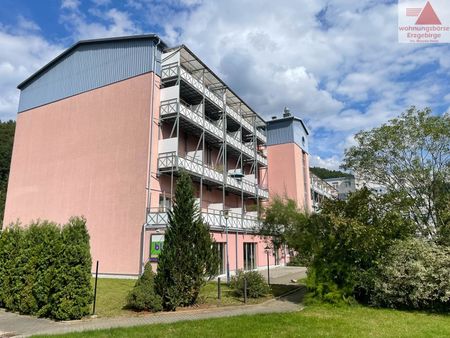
[
  {"x": 170, "y": 107},
  {"x": 213, "y": 218},
  {"x": 170, "y": 161},
  {"x": 322, "y": 188},
  {"x": 174, "y": 69}
]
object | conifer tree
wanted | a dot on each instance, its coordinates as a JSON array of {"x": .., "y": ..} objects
[
  {"x": 71, "y": 290},
  {"x": 143, "y": 296},
  {"x": 188, "y": 256}
]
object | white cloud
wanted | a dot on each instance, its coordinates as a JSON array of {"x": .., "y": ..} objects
[
  {"x": 106, "y": 23},
  {"x": 331, "y": 163},
  {"x": 70, "y": 4},
  {"x": 25, "y": 25},
  {"x": 22, "y": 53}
]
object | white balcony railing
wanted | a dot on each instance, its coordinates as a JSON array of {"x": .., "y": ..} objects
[
  {"x": 213, "y": 218},
  {"x": 170, "y": 107},
  {"x": 173, "y": 69},
  {"x": 170, "y": 161}
]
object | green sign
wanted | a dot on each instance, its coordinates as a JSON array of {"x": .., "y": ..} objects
[{"x": 156, "y": 245}]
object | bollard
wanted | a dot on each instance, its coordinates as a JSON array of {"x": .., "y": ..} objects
[
  {"x": 245, "y": 290},
  {"x": 95, "y": 289},
  {"x": 219, "y": 291}
]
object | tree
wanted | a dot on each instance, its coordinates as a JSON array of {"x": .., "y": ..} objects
[
  {"x": 324, "y": 173},
  {"x": 7, "y": 130},
  {"x": 410, "y": 156},
  {"x": 343, "y": 242},
  {"x": 187, "y": 257},
  {"x": 279, "y": 221}
]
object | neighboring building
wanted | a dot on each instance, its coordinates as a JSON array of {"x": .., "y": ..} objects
[
  {"x": 346, "y": 185},
  {"x": 343, "y": 185},
  {"x": 374, "y": 187},
  {"x": 104, "y": 129},
  {"x": 288, "y": 159},
  {"x": 321, "y": 190}
]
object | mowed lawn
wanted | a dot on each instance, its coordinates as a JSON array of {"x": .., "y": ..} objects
[
  {"x": 112, "y": 293},
  {"x": 313, "y": 321}
]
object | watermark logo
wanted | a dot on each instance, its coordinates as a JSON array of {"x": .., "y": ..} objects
[{"x": 423, "y": 21}]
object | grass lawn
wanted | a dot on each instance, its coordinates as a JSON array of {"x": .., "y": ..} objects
[
  {"x": 313, "y": 321},
  {"x": 112, "y": 293}
]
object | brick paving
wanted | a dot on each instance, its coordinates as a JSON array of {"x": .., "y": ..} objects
[{"x": 16, "y": 325}]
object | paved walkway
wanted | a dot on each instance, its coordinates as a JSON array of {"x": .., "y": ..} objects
[{"x": 16, "y": 325}]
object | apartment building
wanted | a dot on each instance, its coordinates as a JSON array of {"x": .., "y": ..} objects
[
  {"x": 321, "y": 190},
  {"x": 106, "y": 127}
]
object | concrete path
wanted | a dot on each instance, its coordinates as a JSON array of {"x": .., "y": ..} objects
[{"x": 16, "y": 325}]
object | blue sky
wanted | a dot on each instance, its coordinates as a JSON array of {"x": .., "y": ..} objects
[{"x": 336, "y": 64}]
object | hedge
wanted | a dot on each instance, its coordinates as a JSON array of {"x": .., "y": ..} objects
[{"x": 45, "y": 269}]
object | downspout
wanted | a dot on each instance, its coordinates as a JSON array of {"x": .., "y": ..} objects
[{"x": 149, "y": 190}]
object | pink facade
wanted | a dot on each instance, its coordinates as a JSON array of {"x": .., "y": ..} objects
[
  {"x": 236, "y": 256},
  {"x": 88, "y": 155},
  {"x": 288, "y": 175}
]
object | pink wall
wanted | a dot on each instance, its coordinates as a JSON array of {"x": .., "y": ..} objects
[
  {"x": 220, "y": 237},
  {"x": 286, "y": 175},
  {"x": 88, "y": 155},
  {"x": 261, "y": 243}
]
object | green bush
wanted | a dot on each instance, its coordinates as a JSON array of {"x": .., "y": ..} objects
[
  {"x": 414, "y": 274},
  {"x": 143, "y": 297},
  {"x": 11, "y": 267},
  {"x": 45, "y": 271},
  {"x": 71, "y": 288},
  {"x": 40, "y": 253},
  {"x": 345, "y": 241},
  {"x": 256, "y": 284}
]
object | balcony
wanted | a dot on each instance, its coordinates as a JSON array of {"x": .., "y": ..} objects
[
  {"x": 170, "y": 108},
  {"x": 169, "y": 161},
  {"x": 213, "y": 218},
  {"x": 172, "y": 70}
]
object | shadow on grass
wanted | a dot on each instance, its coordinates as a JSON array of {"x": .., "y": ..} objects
[{"x": 289, "y": 293}]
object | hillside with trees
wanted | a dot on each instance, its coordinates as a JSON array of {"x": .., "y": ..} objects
[
  {"x": 324, "y": 173},
  {"x": 7, "y": 130}
]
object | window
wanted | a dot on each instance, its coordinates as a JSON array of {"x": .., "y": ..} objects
[
  {"x": 220, "y": 247},
  {"x": 249, "y": 256},
  {"x": 276, "y": 253},
  {"x": 165, "y": 203}
]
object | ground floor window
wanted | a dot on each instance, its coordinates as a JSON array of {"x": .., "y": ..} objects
[
  {"x": 220, "y": 247},
  {"x": 276, "y": 253},
  {"x": 249, "y": 256}
]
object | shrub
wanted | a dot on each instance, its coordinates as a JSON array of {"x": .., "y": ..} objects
[
  {"x": 11, "y": 267},
  {"x": 39, "y": 250},
  {"x": 256, "y": 285},
  {"x": 71, "y": 288},
  {"x": 143, "y": 296},
  {"x": 414, "y": 275},
  {"x": 45, "y": 271}
]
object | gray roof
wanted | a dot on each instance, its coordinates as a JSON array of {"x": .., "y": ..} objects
[
  {"x": 86, "y": 42},
  {"x": 282, "y": 119}
]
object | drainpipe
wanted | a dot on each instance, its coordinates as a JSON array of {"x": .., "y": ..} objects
[{"x": 149, "y": 190}]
